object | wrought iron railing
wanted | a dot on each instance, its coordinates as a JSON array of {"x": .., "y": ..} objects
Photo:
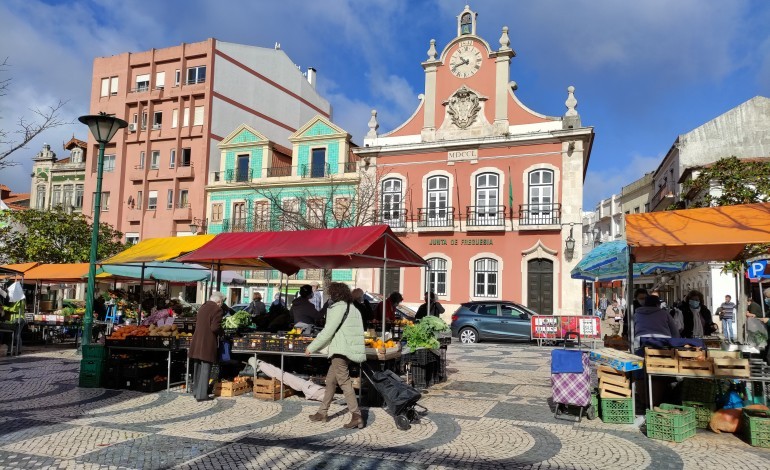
[
  {"x": 539, "y": 214},
  {"x": 234, "y": 224},
  {"x": 667, "y": 190},
  {"x": 239, "y": 176},
  {"x": 435, "y": 216},
  {"x": 351, "y": 167},
  {"x": 485, "y": 216},
  {"x": 315, "y": 171},
  {"x": 396, "y": 218},
  {"x": 278, "y": 171}
]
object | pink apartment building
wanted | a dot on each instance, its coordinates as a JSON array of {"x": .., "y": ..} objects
[{"x": 180, "y": 102}]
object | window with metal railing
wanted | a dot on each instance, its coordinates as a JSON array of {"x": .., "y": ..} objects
[
  {"x": 437, "y": 216},
  {"x": 489, "y": 216},
  {"x": 539, "y": 214}
]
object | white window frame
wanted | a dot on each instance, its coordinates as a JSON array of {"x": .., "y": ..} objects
[
  {"x": 109, "y": 167},
  {"x": 174, "y": 118},
  {"x": 184, "y": 195},
  {"x": 170, "y": 199},
  {"x": 139, "y": 200},
  {"x": 105, "y": 90},
  {"x": 79, "y": 192},
  {"x": 132, "y": 238},
  {"x": 488, "y": 213},
  {"x": 186, "y": 117},
  {"x": 487, "y": 267},
  {"x": 196, "y": 71},
  {"x": 152, "y": 200},
  {"x": 155, "y": 159},
  {"x": 56, "y": 194},
  {"x": 392, "y": 202},
  {"x": 172, "y": 159},
  {"x": 144, "y": 119},
  {"x": 157, "y": 120},
  {"x": 439, "y": 214},
  {"x": 217, "y": 216},
  {"x": 438, "y": 266},
  {"x": 177, "y": 77},
  {"x": 160, "y": 80},
  {"x": 142, "y": 82},
  {"x": 198, "y": 116},
  {"x": 142, "y": 158},
  {"x": 181, "y": 161},
  {"x": 114, "y": 83}
]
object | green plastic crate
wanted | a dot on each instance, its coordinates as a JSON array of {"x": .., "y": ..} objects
[
  {"x": 668, "y": 426},
  {"x": 756, "y": 427},
  {"x": 703, "y": 412},
  {"x": 617, "y": 410},
  {"x": 90, "y": 380},
  {"x": 699, "y": 390},
  {"x": 92, "y": 366},
  {"x": 94, "y": 351},
  {"x": 595, "y": 401}
]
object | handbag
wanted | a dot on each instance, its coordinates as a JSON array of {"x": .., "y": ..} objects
[{"x": 325, "y": 349}]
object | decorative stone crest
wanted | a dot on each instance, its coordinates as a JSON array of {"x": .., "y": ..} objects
[{"x": 463, "y": 107}]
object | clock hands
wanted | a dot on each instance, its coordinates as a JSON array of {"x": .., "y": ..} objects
[{"x": 463, "y": 62}]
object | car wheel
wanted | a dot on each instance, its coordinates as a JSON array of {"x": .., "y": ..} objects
[{"x": 468, "y": 336}]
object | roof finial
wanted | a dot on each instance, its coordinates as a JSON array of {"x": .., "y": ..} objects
[
  {"x": 373, "y": 126},
  {"x": 571, "y": 102},
  {"x": 432, "y": 51},
  {"x": 505, "y": 41}
]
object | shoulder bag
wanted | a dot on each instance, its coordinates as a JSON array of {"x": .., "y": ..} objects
[{"x": 325, "y": 349}]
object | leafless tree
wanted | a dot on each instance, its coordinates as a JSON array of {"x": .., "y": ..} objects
[{"x": 25, "y": 130}]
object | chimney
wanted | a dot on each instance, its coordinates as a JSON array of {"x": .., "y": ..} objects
[{"x": 311, "y": 76}]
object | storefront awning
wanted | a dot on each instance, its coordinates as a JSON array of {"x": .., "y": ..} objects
[
  {"x": 707, "y": 234},
  {"x": 19, "y": 268},
  {"x": 288, "y": 252},
  {"x": 69, "y": 272},
  {"x": 158, "y": 249}
]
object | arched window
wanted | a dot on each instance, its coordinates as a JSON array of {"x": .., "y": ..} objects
[
  {"x": 437, "y": 276},
  {"x": 488, "y": 211},
  {"x": 392, "y": 197},
  {"x": 465, "y": 23},
  {"x": 40, "y": 199},
  {"x": 540, "y": 209},
  {"x": 485, "y": 277},
  {"x": 438, "y": 213}
]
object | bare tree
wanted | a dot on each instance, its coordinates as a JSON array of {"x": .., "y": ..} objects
[{"x": 25, "y": 130}]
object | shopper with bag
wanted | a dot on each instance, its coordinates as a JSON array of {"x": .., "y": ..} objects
[
  {"x": 204, "y": 344},
  {"x": 343, "y": 334}
]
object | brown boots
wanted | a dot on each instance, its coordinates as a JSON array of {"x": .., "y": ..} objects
[
  {"x": 356, "y": 421},
  {"x": 319, "y": 417}
]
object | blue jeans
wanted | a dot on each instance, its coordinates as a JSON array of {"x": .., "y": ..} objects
[{"x": 727, "y": 329}]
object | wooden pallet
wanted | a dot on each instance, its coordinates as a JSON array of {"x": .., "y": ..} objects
[
  {"x": 727, "y": 367},
  {"x": 696, "y": 368},
  {"x": 231, "y": 389}
]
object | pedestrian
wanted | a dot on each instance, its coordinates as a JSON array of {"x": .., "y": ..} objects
[
  {"x": 726, "y": 313},
  {"x": 753, "y": 309},
  {"x": 697, "y": 317},
  {"x": 204, "y": 344},
  {"x": 363, "y": 306},
  {"x": 652, "y": 321},
  {"x": 589, "y": 305},
  {"x": 430, "y": 305},
  {"x": 318, "y": 297},
  {"x": 389, "y": 306},
  {"x": 344, "y": 337},
  {"x": 303, "y": 311},
  {"x": 603, "y": 304},
  {"x": 256, "y": 308}
]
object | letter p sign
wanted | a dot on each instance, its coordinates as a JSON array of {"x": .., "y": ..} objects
[{"x": 757, "y": 269}]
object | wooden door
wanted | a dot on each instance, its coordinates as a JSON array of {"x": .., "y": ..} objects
[{"x": 540, "y": 286}]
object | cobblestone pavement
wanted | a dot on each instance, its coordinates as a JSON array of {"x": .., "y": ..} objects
[{"x": 491, "y": 413}]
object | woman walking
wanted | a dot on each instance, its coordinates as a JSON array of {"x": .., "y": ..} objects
[{"x": 344, "y": 336}]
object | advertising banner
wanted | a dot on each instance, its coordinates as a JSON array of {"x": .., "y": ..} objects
[
  {"x": 555, "y": 327},
  {"x": 545, "y": 327}
]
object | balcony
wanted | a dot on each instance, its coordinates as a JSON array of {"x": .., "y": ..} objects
[
  {"x": 279, "y": 172},
  {"x": 395, "y": 218},
  {"x": 539, "y": 216},
  {"x": 185, "y": 171},
  {"x": 315, "y": 171},
  {"x": 237, "y": 176},
  {"x": 435, "y": 219},
  {"x": 182, "y": 212},
  {"x": 350, "y": 167},
  {"x": 663, "y": 198},
  {"x": 134, "y": 215},
  {"x": 244, "y": 224},
  {"x": 137, "y": 173},
  {"x": 485, "y": 218}
]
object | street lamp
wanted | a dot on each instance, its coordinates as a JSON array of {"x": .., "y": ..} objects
[
  {"x": 597, "y": 241},
  {"x": 196, "y": 224},
  {"x": 569, "y": 243},
  {"x": 103, "y": 128}
]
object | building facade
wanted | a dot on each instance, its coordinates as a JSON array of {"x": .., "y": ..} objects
[
  {"x": 180, "y": 102},
  {"x": 485, "y": 189},
  {"x": 262, "y": 186},
  {"x": 60, "y": 182}
]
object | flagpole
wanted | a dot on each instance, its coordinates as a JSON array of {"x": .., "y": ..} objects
[
  {"x": 459, "y": 215},
  {"x": 510, "y": 195}
]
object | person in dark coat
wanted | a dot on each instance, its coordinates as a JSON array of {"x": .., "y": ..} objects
[
  {"x": 204, "y": 344},
  {"x": 698, "y": 321},
  {"x": 363, "y": 306},
  {"x": 303, "y": 311},
  {"x": 436, "y": 309}
]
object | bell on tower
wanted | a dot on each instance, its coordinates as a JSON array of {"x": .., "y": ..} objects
[{"x": 466, "y": 22}]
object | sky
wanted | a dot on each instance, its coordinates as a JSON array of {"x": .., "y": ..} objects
[{"x": 644, "y": 72}]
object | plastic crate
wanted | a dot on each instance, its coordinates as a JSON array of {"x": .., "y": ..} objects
[
  {"x": 668, "y": 426},
  {"x": 92, "y": 366},
  {"x": 94, "y": 351},
  {"x": 703, "y": 412},
  {"x": 617, "y": 410},
  {"x": 442, "y": 373},
  {"x": 423, "y": 376},
  {"x": 424, "y": 356},
  {"x": 159, "y": 342},
  {"x": 595, "y": 403},
  {"x": 90, "y": 380},
  {"x": 756, "y": 427},
  {"x": 699, "y": 390}
]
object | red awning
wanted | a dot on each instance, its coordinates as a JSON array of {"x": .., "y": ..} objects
[{"x": 288, "y": 252}]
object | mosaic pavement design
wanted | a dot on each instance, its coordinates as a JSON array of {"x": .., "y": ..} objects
[{"x": 492, "y": 413}]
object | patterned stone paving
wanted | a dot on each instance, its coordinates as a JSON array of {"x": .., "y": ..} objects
[{"x": 493, "y": 413}]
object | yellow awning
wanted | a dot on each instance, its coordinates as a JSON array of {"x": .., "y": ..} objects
[{"x": 159, "y": 249}]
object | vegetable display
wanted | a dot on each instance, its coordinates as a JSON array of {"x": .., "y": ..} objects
[
  {"x": 423, "y": 333},
  {"x": 237, "y": 320}
]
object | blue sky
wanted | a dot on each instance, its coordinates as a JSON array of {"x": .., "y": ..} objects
[{"x": 644, "y": 71}]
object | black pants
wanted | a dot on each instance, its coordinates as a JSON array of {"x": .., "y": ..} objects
[{"x": 201, "y": 373}]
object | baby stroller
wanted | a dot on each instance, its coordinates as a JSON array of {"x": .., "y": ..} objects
[
  {"x": 571, "y": 379},
  {"x": 400, "y": 399}
]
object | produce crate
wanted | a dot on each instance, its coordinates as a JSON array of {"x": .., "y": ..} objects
[
  {"x": 756, "y": 427},
  {"x": 668, "y": 425},
  {"x": 92, "y": 366},
  {"x": 232, "y": 389},
  {"x": 149, "y": 385},
  {"x": 618, "y": 360},
  {"x": 142, "y": 369},
  {"x": 617, "y": 410},
  {"x": 696, "y": 367},
  {"x": 296, "y": 345},
  {"x": 691, "y": 354},
  {"x": 611, "y": 376},
  {"x": 159, "y": 342},
  {"x": 90, "y": 380},
  {"x": 94, "y": 351},
  {"x": 424, "y": 356},
  {"x": 273, "y": 344},
  {"x": 270, "y": 389},
  {"x": 726, "y": 367},
  {"x": 703, "y": 412},
  {"x": 613, "y": 391},
  {"x": 718, "y": 353},
  {"x": 699, "y": 390},
  {"x": 442, "y": 373},
  {"x": 662, "y": 361},
  {"x": 184, "y": 343},
  {"x": 424, "y": 375}
]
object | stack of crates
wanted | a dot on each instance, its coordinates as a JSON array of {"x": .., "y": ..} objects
[
  {"x": 701, "y": 395},
  {"x": 672, "y": 423},
  {"x": 756, "y": 427},
  {"x": 92, "y": 365}
]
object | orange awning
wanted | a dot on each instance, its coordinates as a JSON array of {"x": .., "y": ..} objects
[
  {"x": 706, "y": 234},
  {"x": 21, "y": 267},
  {"x": 72, "y": 272}
]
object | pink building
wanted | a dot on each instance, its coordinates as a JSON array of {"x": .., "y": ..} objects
[
  {"x": 180, "y": 102},
  {"x": 485, "y": 189}
]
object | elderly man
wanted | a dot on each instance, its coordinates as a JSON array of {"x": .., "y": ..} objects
[
  {"x": 318, "y": 298},
  {"x": 204, "y": 344}
]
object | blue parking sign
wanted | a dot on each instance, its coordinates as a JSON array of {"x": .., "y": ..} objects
[{"x": 757, "y": 269}]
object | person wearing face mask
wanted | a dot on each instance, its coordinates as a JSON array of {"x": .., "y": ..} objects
[
  {"x": 697, "y": 317},
  {"x": 390, "y": 304}
]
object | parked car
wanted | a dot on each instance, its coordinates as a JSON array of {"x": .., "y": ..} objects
[{"x": 491, "y": 319}]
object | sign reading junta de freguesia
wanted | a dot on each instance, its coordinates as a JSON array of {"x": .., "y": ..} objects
[{"x": 463, "y": 241}]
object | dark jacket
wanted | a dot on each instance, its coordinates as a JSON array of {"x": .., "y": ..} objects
[
  {"x": 435, "y": 310},
  {"x": 256, "y": 308},
  {"x": 304, "y": 311},
  {"x": 204, "y": 342},
  {"x": 366, "y": 311},
  {"x": 654, "y": 321},
  {"x": 708, "y": 324}
]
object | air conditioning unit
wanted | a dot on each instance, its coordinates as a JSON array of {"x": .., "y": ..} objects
[{"x": 132, "y": 127}]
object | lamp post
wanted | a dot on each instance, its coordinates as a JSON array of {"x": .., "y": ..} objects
[
  {"x": 198, "y": 224},
  {"x": 103, "y": 128},
  {"x": 569, "y": 244}
]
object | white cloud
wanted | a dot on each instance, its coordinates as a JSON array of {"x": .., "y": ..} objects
[{"x": 602, "y": 183}]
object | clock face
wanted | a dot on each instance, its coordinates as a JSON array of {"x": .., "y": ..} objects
[{"x": 465, "y": 61}]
